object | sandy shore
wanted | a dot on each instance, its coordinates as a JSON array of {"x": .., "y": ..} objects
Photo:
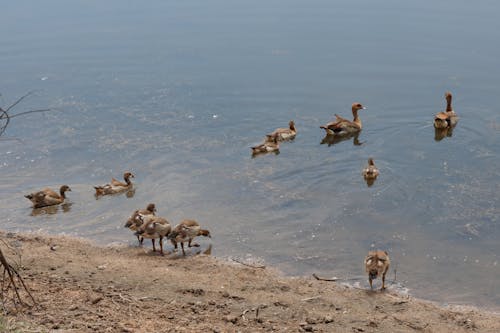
[{"x": 80, "y": 287}]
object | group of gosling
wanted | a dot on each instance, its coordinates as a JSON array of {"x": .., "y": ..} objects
[{"x": 147, "y": 225}]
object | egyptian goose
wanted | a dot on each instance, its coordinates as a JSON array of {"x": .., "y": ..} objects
[
  {"x": 48, "y": 197},
  {"x": 342, "y": 126},
  {"x": 283, "y": 134},
  {"x": 370, "y": 171},
  {"x": 136, "y": 219},
  {"x": 154, "y": 227},
  {"x": 270, "y": 145},
  {"x": 115, "y": 186},
  {"x": 447, "y": 118},
  {"x": 377, "y": 263},
  {"x": 186, "y": 231}
]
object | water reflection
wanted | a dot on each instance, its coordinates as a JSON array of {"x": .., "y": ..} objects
[
  {"x": 334, "y": 139},
  {"x": 370, "y": 181},
  {"x": 441, "y": 133},
  {"x": 65, "y": 207}
]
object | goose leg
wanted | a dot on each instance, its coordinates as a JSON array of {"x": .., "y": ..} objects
[{"x": 153, "y": 241}]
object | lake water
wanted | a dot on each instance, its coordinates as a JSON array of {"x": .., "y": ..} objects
[{"x": 177, "y": 92}]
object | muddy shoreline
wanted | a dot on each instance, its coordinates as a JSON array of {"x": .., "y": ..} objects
[{"x": 81, "y": 287}]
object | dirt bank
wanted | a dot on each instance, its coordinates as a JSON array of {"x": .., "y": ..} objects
[{"x": 80, "y": 287}]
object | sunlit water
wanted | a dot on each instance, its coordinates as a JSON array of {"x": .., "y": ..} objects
[{"x": 177, "y": 92}]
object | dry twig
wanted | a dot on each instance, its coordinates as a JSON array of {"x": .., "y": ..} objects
[
  {"x": 249, "y": 265},
  {"x": 8, "y": 284},
  {"x": 5, "y": 116},
  {"x": 324, "y": 279}
]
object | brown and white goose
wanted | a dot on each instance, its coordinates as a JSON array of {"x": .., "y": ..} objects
[
  {"x": 115, "y": 186},
  {"x": 447, "y": 118},
  {"x": 270, "y": 145},
  {"x": 137, "y": 218},
  {"x": 377, "y": 263},
  {"x": 186, "y": 231},
  {"x": 48, "y": 197},
  {"x": 342, "y": 126},
  {"x": 154, "y": 227},
  {"x": 283, "y": 134}
]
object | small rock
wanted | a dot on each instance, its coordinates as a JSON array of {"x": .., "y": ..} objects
[
  {"x": 328, "y": 319},
  {"x": 216, "y": 329},
  {"x": 285, "y": 288},
  {"x": 311, "y": 321},
  {"x": 96, "y": 300},
  {"x": 231, "y": 319}
]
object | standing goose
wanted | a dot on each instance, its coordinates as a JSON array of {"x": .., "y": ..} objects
[
  {"x": 186, "y": 231},
  {"x": 283, "y": 134},
  {"x": 154, "y": 227},
  {"x": 342, "y": 126},
  {"x": 377, "y": 263},
  {"x": 447, "y": 118},
  {"x": 115, "y": 186},
  {"x": 137, "y": 217},
  {"x": 48, "y": 197}
]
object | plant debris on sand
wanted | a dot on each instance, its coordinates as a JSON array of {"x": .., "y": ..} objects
[{"x": 79, "y": 287}]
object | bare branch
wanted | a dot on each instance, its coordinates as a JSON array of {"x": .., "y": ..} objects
[
  {"x": 27, "y": 112},
  {"x": 19, "y": 100}
]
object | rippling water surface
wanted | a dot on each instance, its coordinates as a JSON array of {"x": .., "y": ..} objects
[{"x": 177, "y": 92}]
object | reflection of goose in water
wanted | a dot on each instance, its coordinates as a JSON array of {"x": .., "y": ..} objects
[
  {"x": 334, "y": 139},
  {"x": 66, "y": 207},
  {"x": 441, "y": 133}
]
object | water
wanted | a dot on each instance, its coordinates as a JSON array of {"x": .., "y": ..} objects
[{"x": 177, "y": 93}]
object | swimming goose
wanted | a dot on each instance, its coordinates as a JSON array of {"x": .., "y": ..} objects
[
  {"x": 154, "y": 227},
  {"x": 371, "y": 170},
  {"x": 115, "y": 186},
  {"x": 283, "y": 134},
  {"x": 377, "y": 263},
  {"x": 269, "y": 145},
  {"x": 186, "y": 231},
  {"x": 136, "y": 219},
  {"x": 447, "y": 118},
  {"x": 48, "y": 197},
  {"x": 342, "y": 126}
]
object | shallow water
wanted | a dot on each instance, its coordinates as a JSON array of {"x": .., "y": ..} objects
[{"x": 178, "y": 92}]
